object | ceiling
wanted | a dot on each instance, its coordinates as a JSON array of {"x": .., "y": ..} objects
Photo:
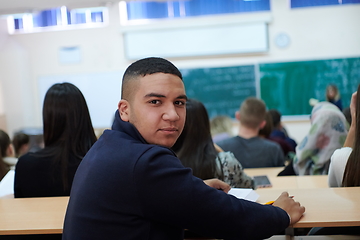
[{"x": 21, "y": 6}]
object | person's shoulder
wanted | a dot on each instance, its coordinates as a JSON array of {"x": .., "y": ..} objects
[
  {"x": 341, "y": 154},
  {"x": 228, "y": 156},
  {"x": 227, "y": 141},
  {"x": 27, "y": 157}
]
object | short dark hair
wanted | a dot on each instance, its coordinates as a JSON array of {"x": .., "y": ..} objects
[
  {"x": 252, "y": 112},
  {"x": 268, "y": 128},
  {"x": 276, "y": 117},
  {"x": 19, "y": 140},
  {"x": 143, "y": 67}
]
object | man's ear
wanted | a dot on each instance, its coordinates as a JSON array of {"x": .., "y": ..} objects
[
  {"x": 237, "y": 115},
  {"x": 124, "y": 110},
  {"x": 262, "y": 124}
]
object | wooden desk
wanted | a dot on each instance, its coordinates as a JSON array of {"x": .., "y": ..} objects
[
  {"x": 292, "y": 182},
  {"x": 325, "y": 207},
  {"x": 270, "y": 172},
  {"x": 32, "y": 215}
]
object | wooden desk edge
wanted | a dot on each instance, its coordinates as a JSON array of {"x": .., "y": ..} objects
[
  {"x": 325, "y": 224},
  {"x": 30, "y": 231}
]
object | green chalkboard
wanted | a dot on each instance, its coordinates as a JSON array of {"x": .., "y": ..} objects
[
  {"x": 220, "y": 89},
  {"x": 288, "y": 86}
]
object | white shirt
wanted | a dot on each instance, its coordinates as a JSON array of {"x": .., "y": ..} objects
[
  {"x": 337, "y": 166},
  {"x": 11, "y": 161}
]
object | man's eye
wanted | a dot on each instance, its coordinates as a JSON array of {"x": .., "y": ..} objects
[
  {"x": 155, "y": 101},
  {"x": 180, "y": 103}
]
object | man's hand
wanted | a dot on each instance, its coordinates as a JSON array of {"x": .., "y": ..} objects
[
  {"x": 218, "y": 184},
  {"x": 294, "y": 209}
]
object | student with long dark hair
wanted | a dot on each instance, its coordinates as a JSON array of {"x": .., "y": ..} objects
[
  {"x": 344, "y": 168},
  {"x": 7, "y": 159},
  {"x": 68, "y": 135},
  {"x": 196, "y": 150}
]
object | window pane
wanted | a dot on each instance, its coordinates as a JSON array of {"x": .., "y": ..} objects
[
  {"x": 47, "y": 18},
  {"x": 186, "y": 8},
  {"x": 311, "y": 3},
  {"x": 150, "y": 10},
  {"x": 97, "y": 17},
  {"x": 350, "y": 1},
  {"x": 18, "y": 23},
  {"x": 78, "y": 18}
]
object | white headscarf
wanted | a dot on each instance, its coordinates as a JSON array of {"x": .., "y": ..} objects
[{"x": 327, "y": 133}]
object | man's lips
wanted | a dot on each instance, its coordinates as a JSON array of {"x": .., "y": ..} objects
[{"x": 168, "y": 129}]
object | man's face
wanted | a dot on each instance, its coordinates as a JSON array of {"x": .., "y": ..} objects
[{"x": 157, "y": 109}]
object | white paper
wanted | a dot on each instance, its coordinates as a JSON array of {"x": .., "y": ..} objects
[{"x": 244, "y": 193}]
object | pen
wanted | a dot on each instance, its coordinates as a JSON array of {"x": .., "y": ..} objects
[{"x": 271, "y": 202}]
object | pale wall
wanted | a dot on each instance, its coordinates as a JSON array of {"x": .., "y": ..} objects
[{"x": 316, "y": 33}]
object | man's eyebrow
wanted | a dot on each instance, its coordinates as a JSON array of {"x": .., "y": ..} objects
[
  {"x": 154, "y": 95},
  {"x": 183, "y": 97},
  {"x": 163, "y": 96}
]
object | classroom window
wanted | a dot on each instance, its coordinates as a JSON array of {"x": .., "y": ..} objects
[
  {"x": 312, "y": 3},
  {"x": 57, "y": 18},
  {"x": 138, "y": 10}
]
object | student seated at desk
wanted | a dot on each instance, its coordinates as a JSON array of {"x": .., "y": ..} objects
[
  {"x": 131, "y": 185},
  {"x": 196, "y": 150},
  {"x": 7, "y": 157},
  {"x": 344, "y": 168},
  {"x": 21, "y": 142},
  {"x": 327, "y": 133},
  {"x": 221, "y": 128},
  {"x": 68, "y": 135},
  {"x": 249, "y": 148}
]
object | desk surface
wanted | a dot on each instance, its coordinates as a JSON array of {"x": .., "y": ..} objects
[
  {"x": 293, "y": 182},
  {"x": 325, "y": 207},
  {"x": 32, "y": 215},
  {"x": 287, "y": 182},
  {"x": 270, "y": 172}
]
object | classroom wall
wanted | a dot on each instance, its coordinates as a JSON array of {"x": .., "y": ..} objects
[{"x": 315, "y": 33}]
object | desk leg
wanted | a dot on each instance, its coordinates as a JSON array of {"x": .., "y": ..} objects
[{"x": 289, "y": 231}]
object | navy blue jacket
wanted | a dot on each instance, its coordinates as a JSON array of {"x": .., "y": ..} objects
[{"x": 127, "y": 189}]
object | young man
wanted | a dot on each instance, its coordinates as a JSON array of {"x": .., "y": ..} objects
[
  {"x": 130, "y": 185},
  {"x": 251, "y": 150}
]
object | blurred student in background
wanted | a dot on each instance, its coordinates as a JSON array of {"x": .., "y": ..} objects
[
  {"x": 221, "y": 128},
  {"x": 251, "y": 150},
  {"x": 7, "y": 151},
  {"x": 21, "y": 143},
  {"x": 7, "y": 157},
  {"x": 196, "y": 150},
  {"x": 333, "y": 95},
  {"x": 327, "y": 133},
  {"x": 68, "y": 135}
]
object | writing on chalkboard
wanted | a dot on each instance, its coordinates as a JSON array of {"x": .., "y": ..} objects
[
  {"x": 220, "y": 89},
  {"x": 288, "y": 86}
]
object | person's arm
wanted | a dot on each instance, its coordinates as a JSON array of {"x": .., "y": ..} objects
[
  {"x": 218, "y": 148},
  {"x": 218, "y": 184},
  {"x": 293, "y": 209},
  {"x": 233, "y": 171},
  {"x": 349, "y": 142},
  {"x": 169, "y": 193}
]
